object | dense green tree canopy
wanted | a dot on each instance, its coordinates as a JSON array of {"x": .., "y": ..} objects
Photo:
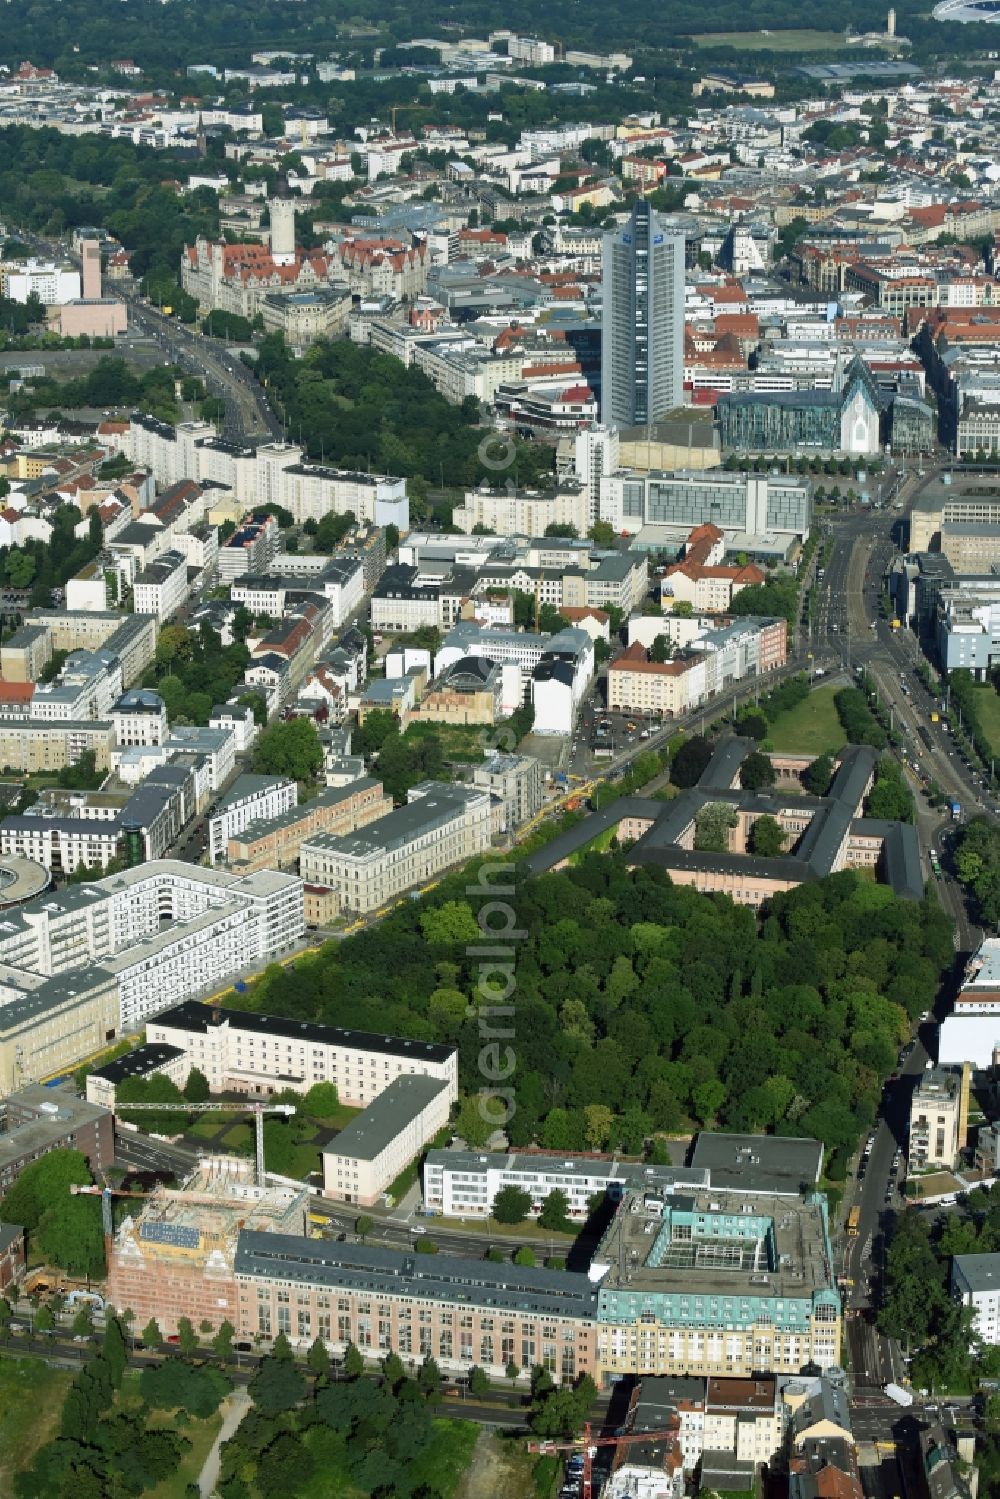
[
  {"x": 290, "y": 749},
  {"x": 662, "y": 1006}
]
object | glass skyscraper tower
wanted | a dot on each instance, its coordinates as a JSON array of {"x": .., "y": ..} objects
[{"x": 642, "y": 341}]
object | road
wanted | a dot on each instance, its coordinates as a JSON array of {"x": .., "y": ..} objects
[
  {"x": 248, "y": 416},
  {"x": 62, "y": 1353},
  {"x": 843, "y": 634}
]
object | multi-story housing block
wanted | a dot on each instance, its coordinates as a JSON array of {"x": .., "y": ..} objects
[
  {"x": 441, "y": 825},
  {"x": 523, "y": 512},
  {"x": 161, "y": 587},
  {"x": 975, "y": 1282},
  {"x": 159, "y": 932},
  {"x": 243, "y": 1052},
  {"x": 517, "y": 783},
  {"x": 938, "y": 1117},
  {"x": 251, "y": 798},
  {"x": 274, "y": 842}
]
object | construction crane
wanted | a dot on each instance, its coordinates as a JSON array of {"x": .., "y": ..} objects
[
  {"x": 591, "y": 1443},
  {"x": 257, "y": 1109}
]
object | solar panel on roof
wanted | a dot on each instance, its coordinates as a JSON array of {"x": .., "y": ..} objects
[{"x": 180, "y": 1235}]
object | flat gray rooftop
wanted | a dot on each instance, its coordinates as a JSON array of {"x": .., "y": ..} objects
[
  {"x": 425, "y": 1277},
  {"x": 758, "y": 1163},
  {"x": 368, "y": 1135}
]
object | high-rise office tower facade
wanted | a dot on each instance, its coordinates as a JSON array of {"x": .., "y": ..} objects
[{"x": 642, "y": 343}]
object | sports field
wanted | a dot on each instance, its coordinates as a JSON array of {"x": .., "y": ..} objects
[{"x": 772, "y": 41}]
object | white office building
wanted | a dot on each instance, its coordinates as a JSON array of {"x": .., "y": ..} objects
[
  {"x": 465, "y": 1183},
  {"x": 242, "y": 1052},
  {"x": 50, "y": 283},
  {"x": 742, "y": 505}
]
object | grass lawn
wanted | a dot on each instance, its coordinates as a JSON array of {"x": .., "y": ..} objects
[
  {"x": 529, "y": 1231},
  {"x": 206, "y": 1128},
  {"x": 772, "y": 41},
  {"x": 201, "y": 1435},
  {"x": 341, "y": 1116},
  {"x": 237, "y": 1136},
  {"x": 458, "y": 741},
  {"x": 31, "y": 1399},
  {"x": 811, "y": 727},
  {"x": 988, "y": 713}
]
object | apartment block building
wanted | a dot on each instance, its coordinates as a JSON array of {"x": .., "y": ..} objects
[
  {"x": 242, "y": 1052},
  {"x": 139, "y": 717},
  {"x": 25, "y": 654},
  {"x": 156, "y": 934},
  {"x": 939, "y": 1110},
  {"x": 711, "y": 661},
  {"x": 369, "y": 1154},
  {"x": 517, "y": 783},
  {"x": 274, "y": 842},
  {"x": 523, "y": 512},
  {"x": 41, "y": 745},
  {"x": 131, "y": 638},
  {"x": 273, "y": 473},
  {"x": 161, "y": 587},
  {"x": 86, "y": 687},
  {"x": 744, "y": 1417},
  {"x": 457, "y": 1311},
  {"x": 251, "y": 798},
  {"x": 250, "y": 548},
  {"x": 440, "y": 825}
]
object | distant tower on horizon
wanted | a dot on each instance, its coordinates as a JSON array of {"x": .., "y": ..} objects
[
  {"x": 642, "y": 335},
  {"x": 890, "y": 23},
  {"x": 282, "y": 237},
  {"x": 90, "y": 256}
]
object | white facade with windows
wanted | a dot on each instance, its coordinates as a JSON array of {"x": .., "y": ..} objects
[
  {"x": 164, "y": 930},
  {"x": 975, "y": 1281},
  {"x": 242, "y": 1052},
  {"x": 523, "y": 512},
  {"x": 161, "y": 588}
]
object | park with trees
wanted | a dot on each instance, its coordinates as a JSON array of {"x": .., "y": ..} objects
[
  {"x": 645, "y": 1008},
  {"x": 361, "y": 409},
  {"x": 119, "y": 1434},
  {"x": 307, "y": 1433}
]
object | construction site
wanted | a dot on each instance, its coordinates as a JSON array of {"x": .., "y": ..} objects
[{"x": 174, "y": 1256}]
